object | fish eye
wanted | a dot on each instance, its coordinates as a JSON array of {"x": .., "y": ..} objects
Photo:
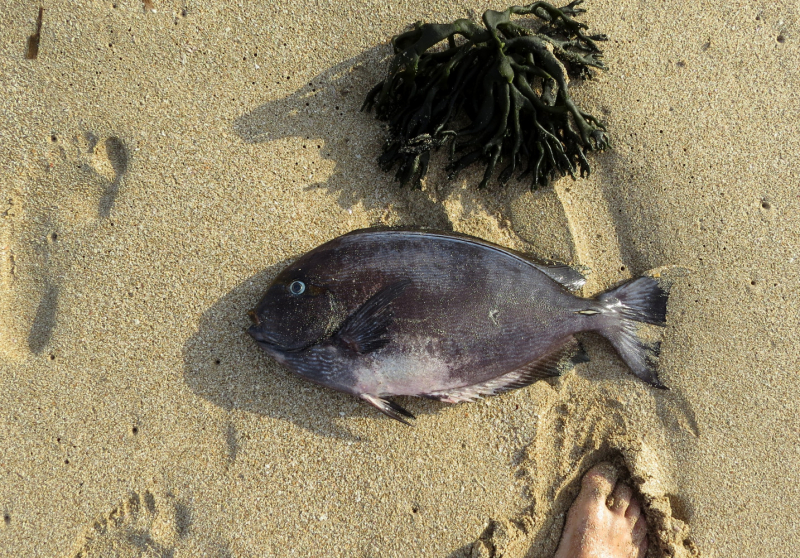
[{"x": 297, "y": 287}]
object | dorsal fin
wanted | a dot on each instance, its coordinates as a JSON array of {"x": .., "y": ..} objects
[
  {"x": 553, "y": 364},
  {"x": 571, "y": 278},
  {"x": 364, "y": 330}
]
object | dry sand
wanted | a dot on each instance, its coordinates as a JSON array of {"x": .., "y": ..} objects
[{"x": 158, "y": 168}]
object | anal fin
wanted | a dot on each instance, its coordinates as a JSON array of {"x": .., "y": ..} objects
[
  {"x": 388, "y": 408},
  {"x": 552, "y": 364}
]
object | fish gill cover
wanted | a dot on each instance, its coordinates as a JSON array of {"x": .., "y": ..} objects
[{"x": 511, "y": 82}]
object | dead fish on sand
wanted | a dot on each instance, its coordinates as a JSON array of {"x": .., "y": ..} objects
[{"x": 377, "y": 313}]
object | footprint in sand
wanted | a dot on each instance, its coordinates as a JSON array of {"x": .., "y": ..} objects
[
  {"x": 109, "y": 160},
  {"x": 577, "y": 428},
  {"x": 143, "y": 525},
  {"x": 60, "y": 202}
]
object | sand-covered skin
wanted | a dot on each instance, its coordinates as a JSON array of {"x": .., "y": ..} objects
[{"x": 157, "y": 169}]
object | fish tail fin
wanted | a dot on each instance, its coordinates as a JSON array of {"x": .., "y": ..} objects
[{"x": 643, "y": 300}]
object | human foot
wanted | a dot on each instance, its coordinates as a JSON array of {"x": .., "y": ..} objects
[{"x": 605, "y": 520}]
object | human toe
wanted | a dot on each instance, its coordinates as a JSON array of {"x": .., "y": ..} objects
[
  {"x": 639, "y": 535},
  {"x": 598, "y": 482},
  {"x": 620, "y": 499},
  {"x": 634, "y": 510}
]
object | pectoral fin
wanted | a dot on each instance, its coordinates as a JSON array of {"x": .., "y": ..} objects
[{"x": 365, "y": 330}]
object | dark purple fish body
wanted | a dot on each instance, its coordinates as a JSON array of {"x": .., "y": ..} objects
[{"x": 378, "y": 313}]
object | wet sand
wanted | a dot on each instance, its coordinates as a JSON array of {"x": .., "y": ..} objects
[{"x": 157, "y": 169}]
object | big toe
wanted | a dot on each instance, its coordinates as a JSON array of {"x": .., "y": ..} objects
[{"x": 598, "y": 483}]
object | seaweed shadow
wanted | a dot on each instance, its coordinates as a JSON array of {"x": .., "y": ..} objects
[
  {"x": 223, "y": 365},
  {"x": 630, "y": 207},
  {"x": 326, "y": 112}
]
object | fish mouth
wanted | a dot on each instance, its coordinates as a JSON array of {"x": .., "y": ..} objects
[
  {"x": 263, "y": 338},
  {"x": 270, "y": 344}
]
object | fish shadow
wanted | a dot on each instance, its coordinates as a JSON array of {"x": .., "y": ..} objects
[{"x": 223, "y": 365}]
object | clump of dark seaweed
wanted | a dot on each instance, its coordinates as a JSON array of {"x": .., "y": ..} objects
[{"x": 511, "y": 82}]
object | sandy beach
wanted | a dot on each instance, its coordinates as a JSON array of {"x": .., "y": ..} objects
[{"x": 158, "y": 167}]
